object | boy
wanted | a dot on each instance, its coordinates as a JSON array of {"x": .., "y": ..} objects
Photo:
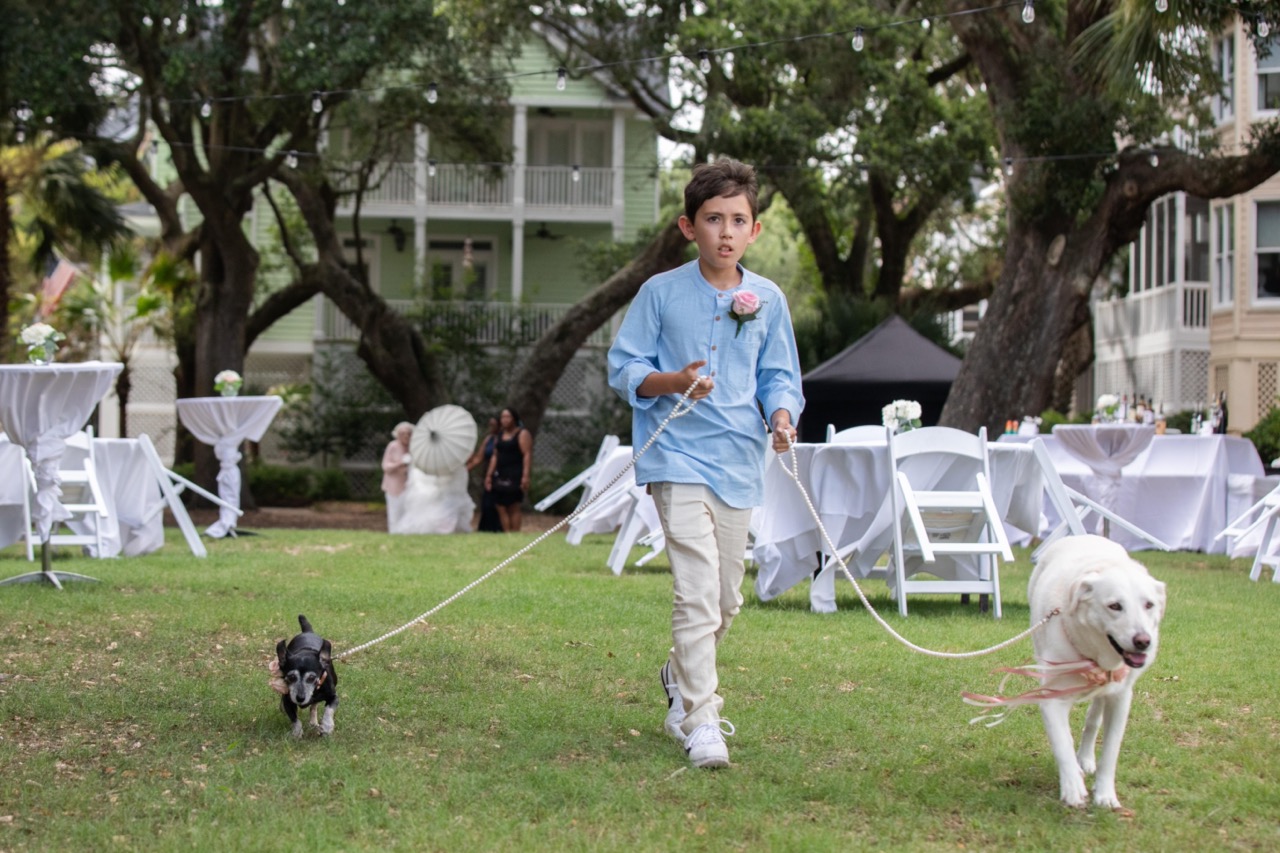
[{"x": 712, "y": 321}]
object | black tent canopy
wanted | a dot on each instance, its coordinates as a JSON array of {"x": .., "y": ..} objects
[{"x": 891, "y": 362}]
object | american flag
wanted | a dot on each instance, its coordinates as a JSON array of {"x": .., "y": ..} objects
[{"x": 54, "y": 285}]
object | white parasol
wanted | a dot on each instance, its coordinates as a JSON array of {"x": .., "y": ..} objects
[{"x": 442, "y": 440}]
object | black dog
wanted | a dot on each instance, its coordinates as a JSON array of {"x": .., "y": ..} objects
[{"x": 306, "y": 665}]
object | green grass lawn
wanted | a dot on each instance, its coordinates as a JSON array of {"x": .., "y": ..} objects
[{"x": 527, "y": 715}]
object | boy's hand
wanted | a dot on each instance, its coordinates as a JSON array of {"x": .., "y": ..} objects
[
  {"x": 784, "y": 434},
  {"x": 687, "y": 377}
]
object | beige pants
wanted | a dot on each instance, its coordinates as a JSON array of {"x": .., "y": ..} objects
[{"x": 706, "y": 541}]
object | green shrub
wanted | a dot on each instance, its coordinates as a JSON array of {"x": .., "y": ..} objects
[
  {"x": 275, "y": 485},
  {"x": 330, "y": 484},
  {"x": 1050, "y": 418},
  {"x": 1265, "y": 435}
]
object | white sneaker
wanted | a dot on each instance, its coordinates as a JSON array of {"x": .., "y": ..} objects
[
  {"x": 675, "y": 703},
  {"x": 705, "y": 746}
]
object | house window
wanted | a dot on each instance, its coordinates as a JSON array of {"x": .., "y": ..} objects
[
  {"x": 1269, "y": 75},
  {"x": 1196, "y": 223},
  {"x": 554, "y": 142},
  {"x": 1268, "y": 269},
  {"x": 1223, "y": 249},
  {"x": 460, "y": 269},
  {"x": 1224, "y": 56}
]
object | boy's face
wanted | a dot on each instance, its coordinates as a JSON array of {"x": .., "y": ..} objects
[{"x": 722, "y": 228}]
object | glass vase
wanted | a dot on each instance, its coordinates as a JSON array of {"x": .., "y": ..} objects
[
  {"x": 229, "y": 390},
  {"x": 42, "y": 353}
]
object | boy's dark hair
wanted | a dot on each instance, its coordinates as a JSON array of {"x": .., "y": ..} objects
[{"x": 724, "y": 177}]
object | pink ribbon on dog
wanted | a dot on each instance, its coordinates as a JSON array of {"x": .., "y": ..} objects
[{"x": 1093, "y": 678}]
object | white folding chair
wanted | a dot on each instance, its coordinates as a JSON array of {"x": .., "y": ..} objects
[
  {"x": 1262, "y": 514},
  {"x": 943, "y": 508},
  {"x": 1074, "y": 508},
  {"x": 81, "y": 496},
  {"x": 854, "y": 435},
  {"x": 583, "y": 478},
  {"x": 172, "y": 485}
]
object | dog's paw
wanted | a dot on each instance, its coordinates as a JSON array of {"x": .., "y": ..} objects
[
  {"x": 1107, "y": 800},
  {"x": 297, "y": 729},
  {"x": 326, "y": 728},
  {"x": 1087, "y": 763},
  {"x": 1073, "y": 791}
]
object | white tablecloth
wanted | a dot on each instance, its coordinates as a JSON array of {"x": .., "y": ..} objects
[
  {"x": 1182, "y": 489},
  {"x": 225, "y": 423},
  {"x": 40, "y": 407},
  {"x": 1106, "y": 449},
  {"x": 849, "y": 485},
  {"x": 14, "y": 489}
]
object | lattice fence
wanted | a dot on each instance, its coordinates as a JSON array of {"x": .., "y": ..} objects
[{"x": 1267, "y": 387}]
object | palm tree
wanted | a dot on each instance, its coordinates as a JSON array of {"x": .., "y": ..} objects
[{"x": 52, "y": 203}]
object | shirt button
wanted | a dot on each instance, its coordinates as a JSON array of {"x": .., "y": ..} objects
[
  {"x": 713, "y": 347},
  {"x": 717, "y": 317},
  {"x": 713, "y": 373}
]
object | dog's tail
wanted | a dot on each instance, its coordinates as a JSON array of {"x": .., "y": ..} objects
[{"x": 304, "y": 624}]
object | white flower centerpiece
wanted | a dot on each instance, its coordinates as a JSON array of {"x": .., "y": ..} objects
[
  {"x": 42, "y": 342},
  {"x": 227, "y": 383},
  {"x": 1106, "y": 408},
  {"x": 901, "y": 415}
]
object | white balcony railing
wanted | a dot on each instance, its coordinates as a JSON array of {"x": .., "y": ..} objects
[
  {"x": 481, "y": 323},
  {"x": 459, "y": 185},
  {"x": 1173, "y": 310}
]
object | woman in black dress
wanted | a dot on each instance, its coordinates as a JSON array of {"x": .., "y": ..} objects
[
  {"x": 489, "y": 521},
  {"x": 508, "y": 476}
]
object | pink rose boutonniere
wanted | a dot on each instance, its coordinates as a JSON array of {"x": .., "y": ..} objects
[{"x": 746, "y": 307}]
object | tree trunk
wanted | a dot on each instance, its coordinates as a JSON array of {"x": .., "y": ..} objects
[
  {"x": 6, "y": 274},
  {"x": 531, "y": 389},
  {"x": 123, "y": 385},
  {"x": 1009, "y": 369},
  {"x": 390, "y": 346}
]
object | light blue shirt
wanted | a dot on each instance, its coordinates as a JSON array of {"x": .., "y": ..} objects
[{"x": 678, "y": 318}]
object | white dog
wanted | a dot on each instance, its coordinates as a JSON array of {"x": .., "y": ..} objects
[{"x": 1104, "y": 636}]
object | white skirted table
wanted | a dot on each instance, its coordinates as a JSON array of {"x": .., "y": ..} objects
[
  {"x": 1106, "y": 449},
  {"x": 41, "y": 406},
  {"x": 225, "y": 423}
]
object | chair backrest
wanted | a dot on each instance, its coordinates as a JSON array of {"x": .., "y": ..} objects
[
  {"x": 856, "y": 435},
  {"x": 918, "y": 452},
  {"x": 1056, "y": 489}
]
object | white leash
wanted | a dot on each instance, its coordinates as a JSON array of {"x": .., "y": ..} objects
[
  {"x": 683, "y": 407},
  {"x": 680, "y": 410},
  {"x": 835, "y": 552}
]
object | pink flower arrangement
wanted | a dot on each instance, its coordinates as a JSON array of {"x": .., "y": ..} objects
[{"x": 746, "y": 307}]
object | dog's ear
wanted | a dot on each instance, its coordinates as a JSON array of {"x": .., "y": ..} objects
[
  {"x": 1159, "y": 589},
  {"x": 281, "y": 647},
  {"x": 326, "y": 652},
  {"x": 1082, "y": 590}
]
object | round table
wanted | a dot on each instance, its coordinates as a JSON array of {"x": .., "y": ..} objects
[
  {"x": 41, "y": 406},
  {"x": 1106, "y": 449},
  {"x": 225, "y": 423}
]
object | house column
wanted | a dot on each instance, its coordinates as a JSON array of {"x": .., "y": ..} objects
[
  {"x": 619, "y": 166},
  {"x": 520, "y": 151},
  {"x": 421, "y": 140}
]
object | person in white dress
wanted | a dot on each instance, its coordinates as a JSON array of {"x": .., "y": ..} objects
[
  {"x": 395, "y": 472},
  {"x": 434, "y": 503}
]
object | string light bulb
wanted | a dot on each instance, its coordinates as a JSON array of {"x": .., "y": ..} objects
[
  {"x": 1162, "y": 6},
  {"x": 562, "y": 78},
  {"x": 704, "y": 61},
  {"x": 1155, "y": 160},
  {"x": 433, "y": 93},
  {"x": 577, "y": 173},
  {"x": 858, "y": 41},
  {"x": 23, "y": 114},
  {"x": 1264, "y": 29},
  {"x": 206, "y": 109},
  {"x": 291, "y": 159},
  {"x": 431, "y": 168},
  {"x": 1008, "y": 166},
  {"x": 317, "y": 102},
  {"x": 1029, "y": 11}
]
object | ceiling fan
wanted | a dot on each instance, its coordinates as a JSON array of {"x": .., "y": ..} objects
[{"x": 544, "y": 233}]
